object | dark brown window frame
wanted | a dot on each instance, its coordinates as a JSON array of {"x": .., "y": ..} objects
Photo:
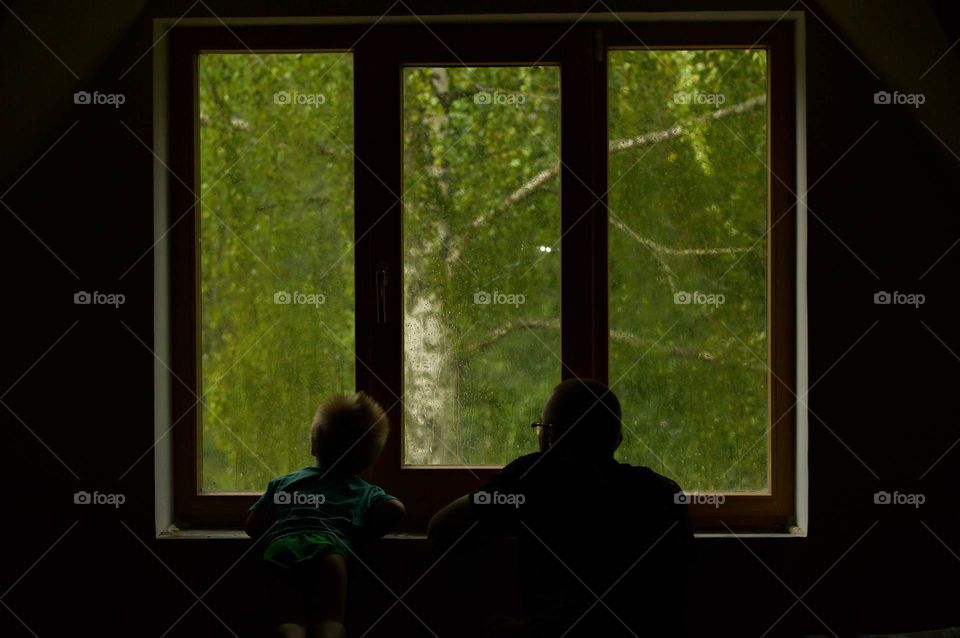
[{"x": 379, "y": 54}]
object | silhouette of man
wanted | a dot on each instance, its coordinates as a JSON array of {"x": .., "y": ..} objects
[{"x": 604, "y": 547}]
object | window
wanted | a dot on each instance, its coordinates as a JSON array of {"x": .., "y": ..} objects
[{"x": 455, "y": 227}]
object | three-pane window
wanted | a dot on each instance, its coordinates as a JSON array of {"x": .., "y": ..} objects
[{"x": 454, "y": 229}]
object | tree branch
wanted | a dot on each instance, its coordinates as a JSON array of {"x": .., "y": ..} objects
[
  {"x": 681, "y": 252},
  {"x": 539, "y": 180},
  {"x": 617, "y": 146},
  {"x": 616, "y": 336}
]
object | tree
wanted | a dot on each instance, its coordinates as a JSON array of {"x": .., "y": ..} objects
[{"x": 687, "y": 210}]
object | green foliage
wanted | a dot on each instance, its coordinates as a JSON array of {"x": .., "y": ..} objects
[
  {"x": 693, "y": 383},
  {"x": 276, "y": 216},
  {"x": 481, "y": 208}
]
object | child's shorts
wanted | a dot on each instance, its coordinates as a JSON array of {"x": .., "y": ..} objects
[{"x": 296, "y": 550}]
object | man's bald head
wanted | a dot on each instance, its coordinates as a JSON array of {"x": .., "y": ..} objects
[{"x": 583, "y": 415}]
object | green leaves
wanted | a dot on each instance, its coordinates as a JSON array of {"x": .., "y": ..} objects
[
  {"x": 481, "y": 193},
  {"x": 688, "y": 223}
]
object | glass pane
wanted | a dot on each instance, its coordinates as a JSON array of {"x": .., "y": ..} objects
[
  {"x": 276, "y": 257},
  {"x": 482, "y": 265},
  {"x": 688, "y": 263}
]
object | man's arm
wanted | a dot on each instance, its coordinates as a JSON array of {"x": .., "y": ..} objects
[{"x": 451, "y": 523}]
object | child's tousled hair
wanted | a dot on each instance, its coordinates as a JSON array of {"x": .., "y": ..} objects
[{"x": 349, "y": 432}]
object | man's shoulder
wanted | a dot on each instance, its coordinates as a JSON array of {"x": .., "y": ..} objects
[
  {"x": 626, "y": 472},
  {"x": 643, "y": 473},
  {"x": 644, "y": 477},
  {"x": 523, "y": 463},
  {"x": 514, "y": 471},
  {"x": 633, "y": 478}
]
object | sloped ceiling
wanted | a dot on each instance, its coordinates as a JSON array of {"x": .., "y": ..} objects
[
  {"x": 50, "y": 49},
  {"x": 905, "y": 44}
]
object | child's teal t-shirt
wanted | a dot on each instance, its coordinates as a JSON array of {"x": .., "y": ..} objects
[{"x": 313, "y": 500}]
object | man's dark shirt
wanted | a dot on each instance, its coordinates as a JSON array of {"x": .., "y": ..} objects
[{"x": 588, "y": 529}]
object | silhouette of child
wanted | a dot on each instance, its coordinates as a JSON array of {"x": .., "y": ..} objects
[{"x": 310, "y": 519}]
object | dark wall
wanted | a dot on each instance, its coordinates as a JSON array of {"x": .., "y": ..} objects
[{"x": 78, "y": 388}]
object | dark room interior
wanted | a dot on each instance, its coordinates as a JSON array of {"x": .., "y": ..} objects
[{"x": 740, "y": 217}]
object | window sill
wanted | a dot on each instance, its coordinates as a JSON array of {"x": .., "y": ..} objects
[
  {"x": 174, "y": 532},
  {"x": 794, "y": 532}
]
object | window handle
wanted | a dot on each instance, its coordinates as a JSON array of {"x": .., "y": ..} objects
[{"x": 382, "y": 296}]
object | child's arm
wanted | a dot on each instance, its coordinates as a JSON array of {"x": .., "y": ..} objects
[
  {"x": 258, "y": 518},
  {"x": 383, "y": 518},
  {"x": 256, "y": 523}
]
